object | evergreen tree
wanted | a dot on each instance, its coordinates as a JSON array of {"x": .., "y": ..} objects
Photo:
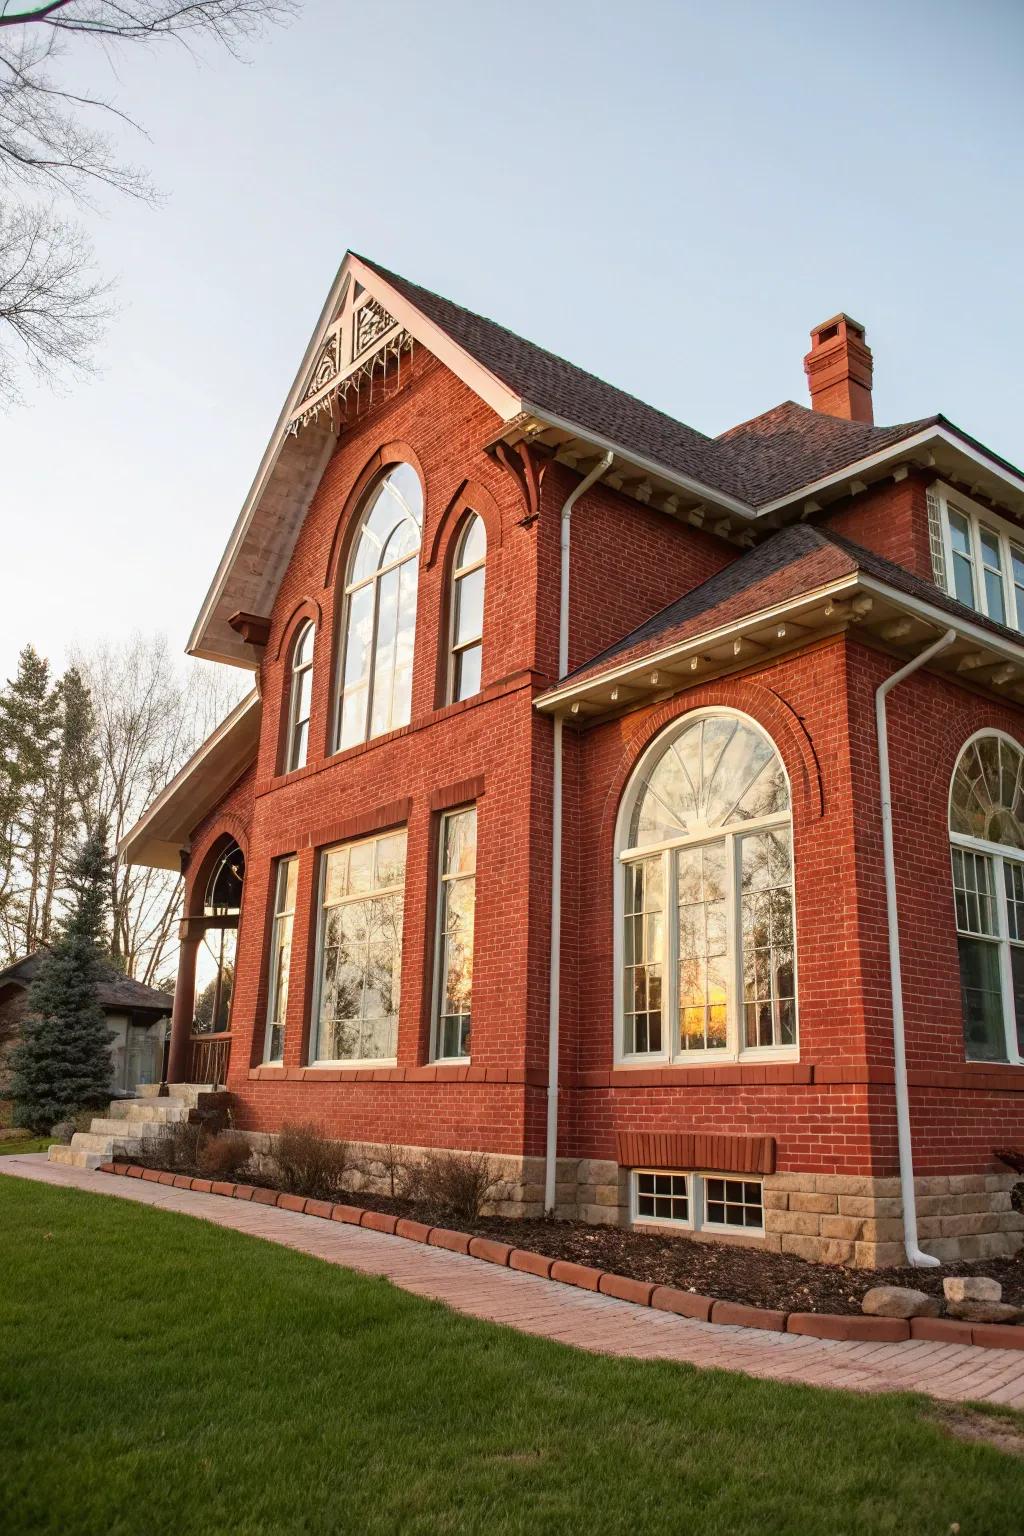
[
  {"x": 30, "y": 708},
  {"x": 62, "y": 1064}
]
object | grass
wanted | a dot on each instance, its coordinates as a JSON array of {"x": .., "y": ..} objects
[
  {"x": 24, "y": 1144},
  {"x": 164, "y": 1375}
]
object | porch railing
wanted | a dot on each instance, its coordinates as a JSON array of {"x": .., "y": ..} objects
[{"x": 208, "y": 1058}]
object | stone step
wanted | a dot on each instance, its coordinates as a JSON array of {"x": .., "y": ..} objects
[
  {"x": 86, "y": 1141},
  {"x": 167, "y": 1111},
  {"x": 74, "y": 1157},
  {"x": 187, "y": 1093},
  {"x": 133, "y": 1129}
]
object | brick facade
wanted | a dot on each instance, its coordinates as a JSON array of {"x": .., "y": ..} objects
[{"x": 831, "y": 1112}]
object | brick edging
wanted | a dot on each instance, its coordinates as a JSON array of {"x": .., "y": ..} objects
[{"x": 643, "y": 1293}]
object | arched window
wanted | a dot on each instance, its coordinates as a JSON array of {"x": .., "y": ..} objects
[
  {"x": 467, "y": 610},
  {"x": 986, "y": 832},
  {"x": 704, "y": 897},
  {"x": 375, "y": 676},
  {"x": 299, "y": 697},
  {"x": 215, "y": 972}
]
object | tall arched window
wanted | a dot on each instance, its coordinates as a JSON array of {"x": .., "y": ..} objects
[
  {"x": 704, "y": 897},
  {"x": 986, "y": 832},
  {"x": 299, "y": 697},
  {"x": 375, "y": 674},
  {"x": 215, "y": 972},
  {"x": 467, "y": 610}
]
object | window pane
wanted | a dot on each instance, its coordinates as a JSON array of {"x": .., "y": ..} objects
[
  {"x": 984, "y": 1036},
  {"x": 963, "y": 558},
  {"x": 467, "y": 673},
  {"x": 715, "y": 773},
  {"x": 474, "y": 542},
  {"x": 766, "y": 919},
  {"x": 303, "y": 654},
  {"x": 1017, "y": 968},
  {"x": 280, "y": 957},
  {"x": 469, "y": 606},
  {"x": 703, "y": 968},
  {"x": 384, "y": 653},
  {"x": 457, "y": 911},
  {"x": 733, "y": 1203},
  {"x": 973, "y": 893},
  {"x": 361, "y": 951},
  {"x": 644, "y": 914}
]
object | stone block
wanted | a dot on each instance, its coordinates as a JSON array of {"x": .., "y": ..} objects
[
  {"x": 800, "y": 1222},
  {"x": 602, "y": 1215},
  {"x": 871, "y": 1206},
  {"x": 969, "y": 1226},
  {"x": 878, "y": 1255},
  {"x": 966, "y": 1183},
  {"x": 596, "y": 1171},
  {"x": 818, "y": 1250},
  {"x": 985, "y": 1311},
  {"x": 849, "y": 1227},
  {"x": 822, "y": 1205},
  {"x": 792, "y": 1181},
  {"x": 934, "y": 1184},
  {"x": 775, "y": 1199},
  {"x": 890, "y": 1230},
  {"x": 971, "y": 1288}
]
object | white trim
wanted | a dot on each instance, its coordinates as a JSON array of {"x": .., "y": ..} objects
[
  {"x": 458, "y": 573},
  {"x": 730, "y": 834},
  {"x": 279, "y": 865},
  {"x": 296, "y": 674},
  {"x": 696, "y": 1201},
  {"x": 443, "y": 881},
  {"x": 1010, "y": 537}
]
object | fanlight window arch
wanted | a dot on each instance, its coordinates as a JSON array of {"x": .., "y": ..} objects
[
  {"x": 300, "y": 695},
  {"x": 467, "y": 610},
  {"x": 215, "y": 962},
  {"x": 986, "y": 830},
  {"x": 375, "y": 675},
  {"x": 705, "y": 897},
  {"x": 224, "y": 887}
]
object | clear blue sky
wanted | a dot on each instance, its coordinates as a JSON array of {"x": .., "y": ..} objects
[{"x": 671, "y": 194}]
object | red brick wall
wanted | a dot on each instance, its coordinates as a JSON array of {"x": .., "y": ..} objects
[{"x": 891, "y": 519}]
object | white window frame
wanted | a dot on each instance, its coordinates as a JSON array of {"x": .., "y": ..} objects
[
  {"x": 459, "y": 572},
  {"x": 297, "y": 675},
  {"x": 733, "y": 1050},
  {"x": 374, "y": 581},
  {"x": 1000, "y": 854},
  {"x": 696, "y": 1202},
  {"x": 280, "y": 889},
  {"x": 443, "y": 881},
  {"x": 321, "y": 924},
  {"x": 1010, "y": 537}
]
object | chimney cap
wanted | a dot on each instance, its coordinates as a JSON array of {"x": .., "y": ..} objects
[{"x": 841, "y": 324}]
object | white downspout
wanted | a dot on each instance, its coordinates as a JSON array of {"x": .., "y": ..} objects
[
  {"x": 918, "y": 1259},
  {"x": 555, "y": 960}
]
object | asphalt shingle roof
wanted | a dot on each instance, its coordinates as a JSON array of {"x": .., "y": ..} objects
[
  {"x": 756, "y": 462},
  {"x": 114, "y": 991}
]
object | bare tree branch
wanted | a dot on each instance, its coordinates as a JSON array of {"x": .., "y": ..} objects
[{"x": 52, "y": 147}]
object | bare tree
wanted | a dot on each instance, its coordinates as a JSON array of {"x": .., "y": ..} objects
[
  {"x": 149, "y": 720},
  {"x": 53, "y": 149}
]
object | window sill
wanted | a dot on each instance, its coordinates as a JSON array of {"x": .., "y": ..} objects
[
  {"x": 759, "y": 1056},
  {"x": 433, "y": 1072}
]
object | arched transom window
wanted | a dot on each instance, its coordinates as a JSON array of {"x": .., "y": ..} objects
[
  {"x": 375, "y": 683},
  {"x": 986, "y": 830},
  {"x": 467, "y": 604},
  {"x": 299, "y": 698},
  {"x": 215, "y": 962},
  {"x": 705, "y": 897}
]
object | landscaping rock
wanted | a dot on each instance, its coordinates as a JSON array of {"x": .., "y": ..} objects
[
  {"x": 899, "y": 1301},
  {"x": 972, "y": 1288},
  {"x": 985, "y": 1311}
]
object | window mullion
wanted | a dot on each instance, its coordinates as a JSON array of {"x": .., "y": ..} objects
[
  {"x": 1005, "y": 965},
  {"x": 978, "y": 562},
  {"x": 733, "y": 943},
  {"x": 947, "y": 549}
]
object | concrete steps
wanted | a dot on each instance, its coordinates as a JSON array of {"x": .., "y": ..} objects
[{"x": 128, "y": 1123}]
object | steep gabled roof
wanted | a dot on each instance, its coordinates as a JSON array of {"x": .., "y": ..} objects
[{"x": 114, "y": 991}]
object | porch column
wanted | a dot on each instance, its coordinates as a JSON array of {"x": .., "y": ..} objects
[{"x": 184, "y": 1006}]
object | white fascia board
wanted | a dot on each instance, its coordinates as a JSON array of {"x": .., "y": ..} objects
[
  {"x": 895, "y": 452},
  {"x": 930, "y": 613},
  {"x": 141, "y": 834},
  {"x": 680, "y": 650},
  {"x": 639, "y": 461}
]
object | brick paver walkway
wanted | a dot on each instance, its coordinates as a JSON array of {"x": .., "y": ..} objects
[{"x": 956, "y": 1372}]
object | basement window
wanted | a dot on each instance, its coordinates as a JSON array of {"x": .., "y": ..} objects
[{"x": 708, "y": 1202}]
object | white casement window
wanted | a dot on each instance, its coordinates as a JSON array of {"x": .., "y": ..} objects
[
  {"x": 359, "y": 951},
  {"x": 456, "y": 904},
  {"x": 300, "y": 696},
  {"x": 986, "y": 831},
  {"x": 982, "y": 560},
  {"x": 285, "y": 885},
  {"x": 701, "y": 1202},
  {"x": 374, "y": 692},
  {"x": 467, "y": 611},
  {"x": 705, "y": 951}
]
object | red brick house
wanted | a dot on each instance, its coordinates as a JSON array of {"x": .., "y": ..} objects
[{"x": 557, "y": 822}]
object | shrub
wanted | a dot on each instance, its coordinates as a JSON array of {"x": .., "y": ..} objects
[
  {"x": 308, "y": 1162},
  {"x": 458, "y": 1182},
  {"x": 176, "y": 1148},
  {"x": 223, "y": 1156},
  {"x": 63, "y": 1130}
]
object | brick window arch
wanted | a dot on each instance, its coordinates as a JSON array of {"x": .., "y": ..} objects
[{"x": 704, "y": 911}]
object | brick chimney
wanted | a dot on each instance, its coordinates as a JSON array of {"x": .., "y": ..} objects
[{"x": 838, "y": 369}]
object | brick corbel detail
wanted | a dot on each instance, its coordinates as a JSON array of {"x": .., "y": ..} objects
[{"x": 721, "y": 1154}]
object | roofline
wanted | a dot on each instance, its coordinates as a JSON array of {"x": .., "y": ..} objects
[
  {"x": 857, "y": 580},
  {"x": 904, "y": 445},
  {"x": 650, "y": 466},
  {"x": 196, "y": 761}
]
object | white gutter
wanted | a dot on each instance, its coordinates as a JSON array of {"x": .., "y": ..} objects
[
  {"x": 914, "y": 1254},
  {"x": 555, "y": 960}
]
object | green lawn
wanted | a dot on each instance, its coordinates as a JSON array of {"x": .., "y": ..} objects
[
  {"x": 161, "y": 1375},
  {"x": 24, "y": 1144}
]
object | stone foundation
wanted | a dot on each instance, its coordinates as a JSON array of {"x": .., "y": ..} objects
[{"x": 830, "y": 1218}]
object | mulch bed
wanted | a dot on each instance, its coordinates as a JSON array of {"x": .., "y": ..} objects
[{"x": 724, "y": 1271}]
